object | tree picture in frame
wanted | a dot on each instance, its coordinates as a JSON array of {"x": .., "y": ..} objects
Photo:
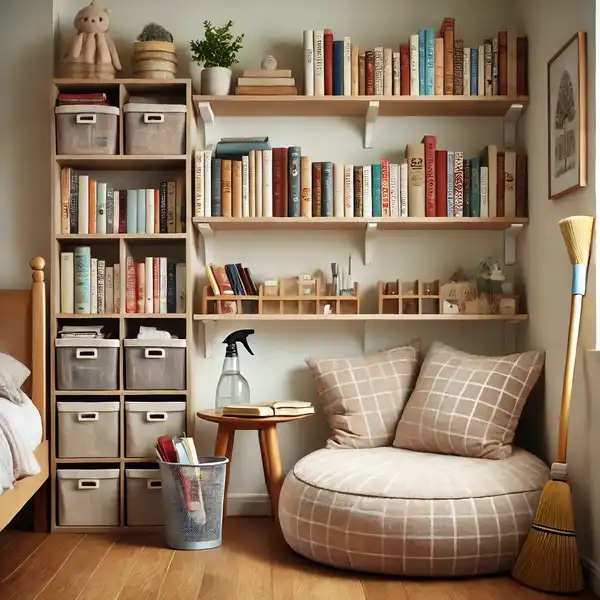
[{"x": 567, "y": 118}]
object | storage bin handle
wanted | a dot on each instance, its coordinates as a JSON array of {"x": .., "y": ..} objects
[
  {"x": 154, "y": 484},
  {"x": 86, "y": 353},
  {"x": 156, "y": 416},
  {"x": 154, "y": 118},
  {"x": 88, "y": 484},
  {"x": 154, "y": 352},
  {"x": 85, "y": 119},
  {"x": 87, "y": 416}
]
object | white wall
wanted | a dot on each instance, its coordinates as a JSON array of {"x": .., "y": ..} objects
[{"x": 549, "y": 24}]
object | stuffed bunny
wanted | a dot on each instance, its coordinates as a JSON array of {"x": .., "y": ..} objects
[{"x": 91, "y": 53}]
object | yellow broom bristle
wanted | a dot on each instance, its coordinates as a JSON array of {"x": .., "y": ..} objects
[
  {"x": 577, "y": 233},
  {"x": 549, "y": 560}
]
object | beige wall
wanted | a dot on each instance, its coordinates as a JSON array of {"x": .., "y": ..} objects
[{"x": 549, "y": 24}]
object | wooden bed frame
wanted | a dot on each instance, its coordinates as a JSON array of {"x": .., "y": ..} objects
[{"x": 23, "y": 335}]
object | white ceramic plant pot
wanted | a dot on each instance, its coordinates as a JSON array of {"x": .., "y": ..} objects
[
  {"x": 216, "y": 81},
  {"x": 196, "y": 76}
]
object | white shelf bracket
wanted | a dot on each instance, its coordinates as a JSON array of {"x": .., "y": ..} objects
[
  {"x": 210, "y": 328},
  {"x": 510, "y": 124},
  {"x": 510, "y": 243},
  {"x": 370, "y": 120},
  {"x": 208, "y": 239},
  {"x": 370, "y": 233},
  {"x": 206, "y": 122}
]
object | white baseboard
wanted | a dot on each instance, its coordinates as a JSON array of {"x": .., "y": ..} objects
[
  {"x": 592, "y": 574},
  {"x": 248, "y": 505}
]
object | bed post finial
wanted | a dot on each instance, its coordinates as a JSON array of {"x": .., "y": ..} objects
[{"x": 37, "y": 265}]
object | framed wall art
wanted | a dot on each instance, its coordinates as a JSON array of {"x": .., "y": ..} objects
[{"x": 567, "y": 118}]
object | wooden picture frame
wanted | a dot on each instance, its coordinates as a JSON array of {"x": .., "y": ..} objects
[{"x": 567, "y": 118}]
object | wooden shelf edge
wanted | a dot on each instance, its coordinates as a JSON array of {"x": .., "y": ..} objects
[
  {"x": 150, "y": 237},
  {"x": 362, "y": 317}
]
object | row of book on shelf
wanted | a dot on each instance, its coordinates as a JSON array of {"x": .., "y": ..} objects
[
  {"x": 253, "y": 180},
  {"x": 230, "y": 279},
  {"x": 88, "y": 285},
  {"x": 91, "y": 206},
  {"x": 431, "y": 63}
]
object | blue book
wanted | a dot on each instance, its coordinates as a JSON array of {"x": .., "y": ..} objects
[
  {"x": 132, "y": 204},
  {"x": 327, "y": 189},
  {"x": 422, "y": 63},
  {"x": 240, "y": 147},
  {"x": 450, "y": 191},
  {"x": 338, "y": 67},
  {"x": 376, "y": 189},
  {"x": 474, "y": 71},
  {"x": 82, "y": 267},
  {"x": 430, "y": 61},
  {"x": 141, "y": 211},
  {"x": 294, "y": 181},
  {"x": 475, "y": 200},
  {"x": 215, "y": 186}
]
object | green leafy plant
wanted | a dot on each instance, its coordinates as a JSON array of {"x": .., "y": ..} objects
[{"x": 218, "y": 48}]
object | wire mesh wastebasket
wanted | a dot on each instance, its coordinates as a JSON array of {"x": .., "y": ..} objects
[{"x": 193, "y": 498}]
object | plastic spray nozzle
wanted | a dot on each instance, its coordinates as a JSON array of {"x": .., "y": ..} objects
[{"x": 241, "y": 335}]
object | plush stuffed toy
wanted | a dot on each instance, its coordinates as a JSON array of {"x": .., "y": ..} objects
[{"x": 92, "y": 53}]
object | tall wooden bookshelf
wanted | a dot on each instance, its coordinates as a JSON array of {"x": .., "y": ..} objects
[{"x": 129, "y": 171}]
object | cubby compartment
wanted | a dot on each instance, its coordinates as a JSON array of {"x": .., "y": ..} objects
[
  {"x": 412, "y": 297},
  {"x": 155, "y": 364},
  {"x": 143, "y": 497}
]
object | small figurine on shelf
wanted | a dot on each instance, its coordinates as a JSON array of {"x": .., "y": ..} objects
[
  {"x": 489, "y": 286},
  {"x": 91, "y": 53},
  {"x": 459, "y": 294},
  {"x": 269, "y": 63}
]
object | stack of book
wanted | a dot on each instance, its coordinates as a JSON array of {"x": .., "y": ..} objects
[
  {"x": 89, "y": 332},
  {"x": 90, "y": 206},
  {"x": 95, "y": 98},
  {"x": 431, "y": 63},
  {"x": 265, "y": 82}
]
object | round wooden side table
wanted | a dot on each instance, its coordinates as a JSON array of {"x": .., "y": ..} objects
[{"x": 269, "y": 446}]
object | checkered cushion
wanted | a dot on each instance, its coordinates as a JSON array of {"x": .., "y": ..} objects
[
  {"x": 466, "y": 404},
  {"x": 363, "y": 397},
  {"x": 398, "y": 512}
]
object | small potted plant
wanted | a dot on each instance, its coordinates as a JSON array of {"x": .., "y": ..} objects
[{"x": 217, "y": 52}]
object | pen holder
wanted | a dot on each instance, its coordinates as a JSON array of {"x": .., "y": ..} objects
[{"x": 413, "y": 297}]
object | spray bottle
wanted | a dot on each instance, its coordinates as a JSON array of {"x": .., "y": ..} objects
[{"x": 233, "y": 387}]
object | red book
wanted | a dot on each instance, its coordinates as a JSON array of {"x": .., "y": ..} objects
[
  {"x": 123, "y": 211},
  {"x": 277, "y": 183},
  {"x": 429, "y": 142},
  {"x": 447, "y": 32},
  {"x": 328, "y": 63},
  {"x": 284, "y": 181},
  {"x": 140, "y": 279},
  {"x": 316, "y": 189},
  {"x": 385, "y": 187},
  {"x": 521, "y": 185},
  {"x": 502, "y": 63},
  {"x": 441, "y": 188},
  {"x": 404, "y": 70},
  {"x": 130, "y": 287},
  {"x": 522, "y": 66},
  {"x": 500, "y": 186},
  {"x": 370, "y": 72}
]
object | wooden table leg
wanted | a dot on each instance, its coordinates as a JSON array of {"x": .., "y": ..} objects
[
  {"x": 262, "y": 439},
  {"x": 275, "y": 469},
  {"x": 224, "y": 447}
]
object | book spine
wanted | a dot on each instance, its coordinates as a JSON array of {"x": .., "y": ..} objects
[
  {"x": 198, "y": 183},
  {"x": 405, "y": 70},
  {"x": 101, "y": 308},
  {"x": 450, "y": 189},
  {"x": 415, "y": 154},
  {"x": 122, "y": 211},
  {"x": 378, "y": 73},
  {"x": 156, "y": 211},
  {"x": 116, "y": 201},
  {"x": 141, "y": 211},
  {"x": 488, "y": 67},
  {"x": 422, "y": 63},
  {"x": 404, "y": 189},
  {"x": 467, "y": 71},
  {"x": 110, "y": 208},
  {"x": 367, "y": 195},
  {"x": 156, "y": 284},
  {"x": 521, "y": 186},
  {"x": 338, "y": 190},
  {"x": 522, "y": 66},
  {"x": 458, "y": 67},
  {"x": 492, "y": 165},
  {"x": 439, "y": 66},
  {"x": 130, "y": 286},
  {"x": 267, "y": 178},
  {"x": 347, "y": 66},
  {"x": 376, "y": 190},
  {"x": 94, "y": 286},
  {"x": 117, "y": 287},
  {"x": 370, "y": 73},
  {"x": 396, "y": 73},
  {"x": 319, "y": 59},
  {"x": 236, "y": 188},
  {"x": 510, "y": 168},
  {"x": 285, "y": 186},
  {"x": 511, "y": 64},
  {"x": 162, "y": 207},
  {"x": 226, "y": 203},
  {"x": 140, "y": 288},
  {"x": 309, "y": 66},
  {"x": 171, "y": 207},
  {"x": 502, "y": 55},
  {"x": 109, "y": 291},
  {"x": 500, "y": 185},
  {"x": 362, "y": 74},
  {"x": 306, "y": 185},
  {"x": 132, "y": 205},
  {"x": 483, "y": 190},
  {"x": 317, "y": 181},
  {"x": 474, "y": 71},
  {"x": 92, "y": 206},
  {"x": 294, "y": 154},
  {"x": 394, "y": 190},
  {"x": 448, "y": 35},
  {"x": 458, "y": 184},
  {"x": 67, "y": 280},
  {"x": 171, "y": 288},
  {"x": 328, "y": 61},
  {"x": 355, "y": 71},
  {"x": 481, "y": 70},
  {"x": 65, "y": 199},
  {"x": 495, "y": 66},
  {"x": 162, "y": 285},
  {"x": 83, "y": 268},
  {"x": 148, "y": 285},
  {"x": 429, "y": 62},
  {"x": 358, "y": 191},
  {"x": 385, "y": 188},
  {"x": 208, "y": 208},
  {"x": 337, "y": 88},
  {"x": 246, "y": 187},
  {"x": 215, "y": 185},
  {"x": 429, "y": 143},
  {"x": 414, "y": 65},
  {"x": 180, "y": 288},
  {"x": 74, "y": 202},
  {"x": 388, "y": 75},
  {"x": 327, "y": 189},
  {"x": 441, "y": 181},
  {"x": 348, "y": 190},
  {"x": 251, "y": 181},
  {"x": 475, "y": 204},
  {"x": 466, "y": 188},
  {"x": 83, "y": 204},
  {"x": 149, "y": 199}
]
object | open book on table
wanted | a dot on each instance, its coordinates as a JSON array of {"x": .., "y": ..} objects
[{"x": 281, "y": 408}]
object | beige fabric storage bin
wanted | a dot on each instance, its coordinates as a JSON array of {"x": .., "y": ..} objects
[
  {"x": 145, "y": 422},
  {"x": 86, "y": 129},
  {"x": 154, "y": 128},
  {"x": 88, "y": 429},
  {"x": 155, "y": 364},
  {"x": 143, "y": 497},
  {"x": 87, "y": 364},
  {"x": 88, "y": 497}
]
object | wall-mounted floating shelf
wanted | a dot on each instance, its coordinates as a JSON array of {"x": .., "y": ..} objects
[
  {"x": 367, "y": 107},
  {"x": 207, "y": 226}
]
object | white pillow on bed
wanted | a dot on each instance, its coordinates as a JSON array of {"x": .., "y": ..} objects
[{"x": 12, "y": 370}]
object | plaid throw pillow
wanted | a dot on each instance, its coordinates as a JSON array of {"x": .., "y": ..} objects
[
  {"x": 364, "y": 396},
  {"x": 466, "y": 404}
]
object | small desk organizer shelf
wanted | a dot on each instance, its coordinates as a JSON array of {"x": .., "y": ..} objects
[
  {"x": 280, "y": 304},
  {"x": 414, "y": 297}
]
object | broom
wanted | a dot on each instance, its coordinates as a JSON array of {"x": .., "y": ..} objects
[{"x": 549, "y": 559}]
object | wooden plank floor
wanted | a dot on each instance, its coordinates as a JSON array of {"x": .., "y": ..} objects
[{"x": 253, "y": 564}]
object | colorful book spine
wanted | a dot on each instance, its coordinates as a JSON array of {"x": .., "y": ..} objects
[
  {"x": 317, "y": 188},
  {"x": 466, "y": 188},
  {"x": 338, "y": 190},
  {"x": 414, "y": 65},
  {"x": 347, "y": 66},
  {"x": 83, "y": 206},
  {"x": 388, "y": 74},
  {"x": 466, "y": 71},
  {"x": 358, "y": 191},
  {"x": 362, "y": 74},
  {"x": 403, "y": 186},
  {"x": 385, "y": 188},
  {"x": 441, "y": 181},
  {"x": 458, "y": 67},
  {"x": 367, "y": 192},
  {"x": 207, "y": 156},
  {"x": 110, "y": 210},
  {"x": 328, "y": 60},
  {"x": 378, "y": 71},
  {"x": 429, "y": 142},
  {"x": 306, "y": 184},
  {"x": 396, "y": 85},
  {"x": 357, "y": 78},
  {"x": 338, "y": 68},
  {"x": 422, "y": 62},
  {"x": 348, "y": 190},
  {"x": 132, "y": 206},
  {"x": 94, "y": 286},
  {"x": 199, "y": 183},
  {"x": 171, "y": 288},
  {"x": 294, "y": 154},
  {"x": 484, "y": 210},
  {"x": 429, "y": 62},
  {"x": 101, "y": 208},
  {"x": 73, "y": 203},
  {"x": 319, "y": 59},
  {"x": 141, "y": 211},
  {"x": 475, "y": 207},
  {"x": 327, "y": 189},
  {"x": 450, "y": 190},
  {"x": 267, "y": 170},
  {"x": 376, "y": 190},
  {"x": 369, "y": 73},
  {"x": 458, "y": 184},
  {"x": 394, "y": 190},
  {"x": 82, "y": 260},
  {"x": 246, "y": 188},
  {"x": 439, "y": 66},
  {"x": 309, "y": 66},
  {"x": 447, "y": 31},
  {"x": 474, "y": 71},
  {"x": 405, "y": 70}
]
